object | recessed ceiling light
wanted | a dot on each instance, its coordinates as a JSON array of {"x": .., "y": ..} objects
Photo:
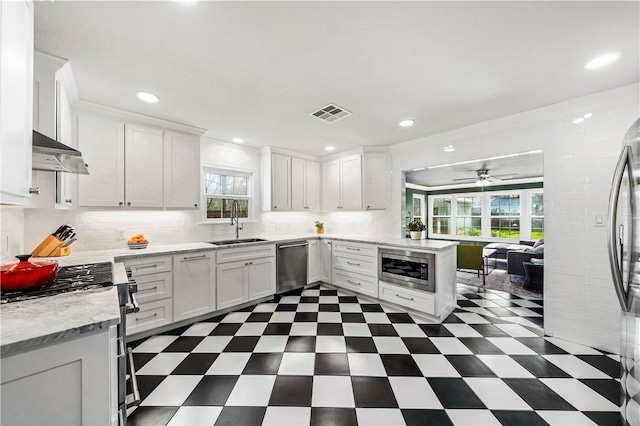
[
  {"x": 418, "y": 169},
  {"x": 148, "y": 97},
  {"x": 578, "y": 120},
  {"x": 237, "y": 140},
  {"x": 448, "y": 148},
  {"x": 602, "y": 61},
  {"x": 329, "y": 148},
  {"x": 587, "y": 115},
  {"x": 407, "y": 123}
]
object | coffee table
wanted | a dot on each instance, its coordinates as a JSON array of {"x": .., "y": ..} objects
[{"x": 486, "y": 254}]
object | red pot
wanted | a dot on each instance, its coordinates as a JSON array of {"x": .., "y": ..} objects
[{"x": 24, "y": 275}]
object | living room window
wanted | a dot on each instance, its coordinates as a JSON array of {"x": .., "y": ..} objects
[
  {"x": 221, "y": 188},
  {"x": 537, "y": 215},
  {"x": 469, "y": 216},
  {"x": 440, "y": 216},
  {"x": 505, "y": 216}
]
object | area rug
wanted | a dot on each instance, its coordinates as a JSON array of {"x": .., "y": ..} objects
[{"x": 497, "y": 279}]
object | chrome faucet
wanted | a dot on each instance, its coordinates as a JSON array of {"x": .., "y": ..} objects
[{"x": 234, "y": 217}]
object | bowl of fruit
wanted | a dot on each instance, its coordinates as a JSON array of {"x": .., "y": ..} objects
[{"x": 138, "y": 241}]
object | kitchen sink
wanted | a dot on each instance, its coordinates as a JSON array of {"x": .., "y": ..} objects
[{"x": 240, "y": 241}]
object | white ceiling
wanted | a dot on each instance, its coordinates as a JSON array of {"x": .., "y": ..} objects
[{"x": 258, "y": 69}]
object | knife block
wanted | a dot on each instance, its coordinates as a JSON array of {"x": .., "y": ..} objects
[
  {"x": 61, "y": 251},
  {"x": 51, "y": 246}
]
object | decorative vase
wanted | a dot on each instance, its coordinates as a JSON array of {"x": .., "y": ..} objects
[
  {"x": 416, "y": 235},
  {"x": 320, "y": 230}
]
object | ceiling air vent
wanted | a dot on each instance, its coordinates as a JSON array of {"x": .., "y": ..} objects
[{"x": 331, "y": 113}]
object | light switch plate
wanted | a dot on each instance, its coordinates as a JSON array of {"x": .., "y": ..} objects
[{"x": 599, "y": 219}]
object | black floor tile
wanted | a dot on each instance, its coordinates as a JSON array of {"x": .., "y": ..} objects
[
  {"x": 246, "y": 309},
  {"x": 151, "y": 416},
  {"x": 420, "y": 345},
  {"x": 505, "y": 303},
  {"x": 373, "y": 392},
  {"x": 242, "y": 344},
  {"x": 328, "y": 292},
  {"x": 480, "y": 345},
  {"x": 539, "y": 367},
  {"x": 146, "y": 384},
  {"x": 470, "y": 366},
  {"x": 195, "y": 363},
  {"x": 605, "y": 418},
  {"x": 141, "y": 358},
  {"x": 537, "y": 395},
  {"x": 603, "y": 363},
  {"x": 176, "y": 331},
  {"x": 352, "y": 317},
  {"x": 306, "y": 317},
  {"x": 292, "y": 391},
  {"x": 400, "y": 317},
  {"x": 541, "y": 346},
  {"x": 309, "y": 299},
  {"x": 360, "y": 344},
  {"x": 452, "y": 319},
  {"x": 528, "y": 418},
  {"x": 539, "y": 321},
  {"x": 263, "y": 363},
  {"x": 329, "y": 307},
  {"x": 321, "y": 416},
  {"x": 330, "y": 329},
  {"x": 245, "y": 416},
  {"x": 426, "y": 417},
  {"x": 301, "y": 344},
  {"x": 371, "y": 307},
  {"x": 536, "y": 310},
  {"x": 332, "y": 365},
  {"x": 212, "y": 390},
  {"x": 225, "y": 329},
  {"x": 435, "y": 330},
  {"x": 489, "y": 330},
  {"x": 454, "y": 393},
  {"x": 502, "y": 312},
  {"x": 217, "y": 318},
  {"x": 467, "y": 304},
  {"x": 400, "y": 365},
  {"x": 286, "y": 307},
  {"x": 277, "y": 328},
  {"x": 609, "y": 388},
  {"x": 259, "y": 317},
  {"x": 382, "y": 330},
  {"x": 347, "y": 299},
  {"x": 184, "y": 344}
]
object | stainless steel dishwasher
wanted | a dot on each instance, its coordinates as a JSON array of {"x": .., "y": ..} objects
[{"x": 291, "y": 265}]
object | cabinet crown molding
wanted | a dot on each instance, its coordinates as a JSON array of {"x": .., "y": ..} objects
[
  {"x": 355, "y": 151},
  {"x": 273, "y": 150}
]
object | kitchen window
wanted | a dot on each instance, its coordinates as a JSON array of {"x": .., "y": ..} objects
[{"x": 221, "y": 188}]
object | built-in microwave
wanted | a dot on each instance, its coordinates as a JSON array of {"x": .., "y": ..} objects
[{"x": 408, "y": 268}]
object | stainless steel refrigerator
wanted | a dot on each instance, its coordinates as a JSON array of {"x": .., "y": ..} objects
[{"x": 623, "y": 241}]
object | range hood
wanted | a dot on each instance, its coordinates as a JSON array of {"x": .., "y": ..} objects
[{"x": 51, "y": 155}]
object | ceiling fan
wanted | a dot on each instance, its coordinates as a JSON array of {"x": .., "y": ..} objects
[{"x": 484, "y": 179}]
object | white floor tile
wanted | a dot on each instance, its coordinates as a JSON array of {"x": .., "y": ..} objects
[
  {"x": 356, "y": 329},
  {"x": 236, "y": 317},
  {"x": 521, "y": 321},
  {"x": 462, "y": 330},
  {"x": 304, "y": 329},
  {"x": 155, "y": 344},
  {"x": 332, "y": 391},
  {"x": 297, "y": 364},
  {"x": 376, "y": 318},
  {"x": 471, "y": 318},
  {"x": 408, "y": 330},
  {"x": 573, "y": 348},
  {"x": 311, "y": 292},
  {"x": 481, "y": 311},
  {"x": 485, "y": 303},
  {"x": 333, "y": 317},
  {"x": 350, "y": 307},
  {"x": 162, "y": 364},
  {"x": 290, "y": 299},
  {"x": 526, "y": 303},
  {"x": 329, "y": 299},
  {"x": 388, "y": 309},
  {"x": 271, "y": 344},
  {"x": 282, "y": 317},
  {"x": 414, "y": 392},
  {"x": 251, "y": 329},
  {"x": 252, "y": 391},
  {"x": 366, "y": 365},
  {"x": 379, "y": 417},
  {"x": 200, "y": 329},
  {"x": 327, "y": 344},
  {"x": 213, "y": 344},
  {"x": 516, "y": 330},
  {"x": 576, "y": 367},
  {"x": 450, "y": 346},
  {"x": 523, "y": 311},
  {"x": 173, "y": 391},
  {"x": 229, "y": 363},
  {"x": 422, "y": 320},
  {"x": 472, "y": 418},
  {"x": 307, "y": 307},
  {"x": 565, "y": 418},
  {"x": 505, "y": 367},
  {"x": 580, "y": 395},
  {"x": 195, "y": 416},
  {"x": 496, "y": 394},
  {"x": 390, "y": 345},
  {"x": 434, "y": 365},
  {"x": 266, "y": 307},
  {"x": 287, "y": 416},
  {"x": 510, "y": 346}
]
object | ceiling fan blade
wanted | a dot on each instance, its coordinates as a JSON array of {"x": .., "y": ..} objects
[
  {"x": 465, "y": 179},
  {"x": 505, "y": 176}
]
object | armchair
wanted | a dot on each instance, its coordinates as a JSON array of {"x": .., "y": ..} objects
[{"x": 470, "y": 257}]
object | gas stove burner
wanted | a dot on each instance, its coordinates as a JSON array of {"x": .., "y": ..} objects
[{"x": 69, "y": 278}]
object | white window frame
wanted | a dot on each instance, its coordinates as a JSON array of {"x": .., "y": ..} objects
[
  {"x": 533, "y": 192},
  {"x": 251, "y": 196},
  {"x": 455, "y": 213},
  {"x": 431, "y": 215}
]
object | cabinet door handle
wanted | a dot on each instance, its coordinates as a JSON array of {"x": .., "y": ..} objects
[
  {"x": 405, "y": 298},
  {"x": 354, "y": 282},
  {"x": 250, "y": 263},
  {"x": 353, "y": 248},
  {"x": 128, "y": 203},
  {"x": 155, "y": 287},
  {"x": 146, "y": 318},
  {"x": 155, "y": 265},
  {"x": 202, "y": 256},
  {"x": 195, "y": 205},
  {"x": 354, "y": 264},
  {"x": 68, "y": 201},
  {"x": 275, "y": 207}
]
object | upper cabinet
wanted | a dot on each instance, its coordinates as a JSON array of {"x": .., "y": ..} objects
[
  {"x": 376, "y": 181},
  {"x": 181, "y": 172},
  {"x": 290, "y": 182},
  {"x": 16, "y": 102}
]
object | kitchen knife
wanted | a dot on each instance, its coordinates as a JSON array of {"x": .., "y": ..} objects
[
  {"x": 58, "y": 231},
  {"x": 68, "y": 242}
]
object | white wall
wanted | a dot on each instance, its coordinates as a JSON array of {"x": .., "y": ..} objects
[
  {"x": 580, "y": 303},
  {"x": 11, "y": 232}
]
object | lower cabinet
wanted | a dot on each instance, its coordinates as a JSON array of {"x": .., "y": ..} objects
[
  {"x": 355, "y": 267},
  {"x": 314, "y": 262},
  {"x": 72, "y": 382},
  {"x": 326, "y": 260},
  {"x": 262, "y": 278},
  {"x": 418, "y": 300},
  {"x": 195, "y": 285}
]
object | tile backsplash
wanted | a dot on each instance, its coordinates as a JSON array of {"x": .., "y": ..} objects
[{"x": 11, "y": 232}]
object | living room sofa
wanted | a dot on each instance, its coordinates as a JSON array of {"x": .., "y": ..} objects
[{"x": 515, "y": 254}]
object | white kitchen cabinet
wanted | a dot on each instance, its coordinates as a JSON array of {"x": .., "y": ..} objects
[
  {"x": 262, "y": 278},
  {"x": 314, "y": 262},
  {"x": 181, "y": 170},
  {"x": 355, "y": 267},
  {"x": 143, "y": 166},
  {"x": 280, "y": 182},
  {"x": 326, "y": 259},
  {"x": 376, "y": 173},
  {"x": 342, "y": 183},
  {"x": 16, "y": 102},
  {"x": 232, "y": 284},
  {"x": 71, "y": 382},
  {"x": 194, "y": 285},
  {"x": 305, "y": 184}
]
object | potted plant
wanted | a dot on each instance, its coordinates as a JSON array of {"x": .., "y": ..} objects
[
  {"x": 415, "y": 228},
  {"x": 319, "y": 227}
]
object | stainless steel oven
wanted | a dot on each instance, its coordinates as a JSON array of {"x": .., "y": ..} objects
[{"x": 412, "y": 269}]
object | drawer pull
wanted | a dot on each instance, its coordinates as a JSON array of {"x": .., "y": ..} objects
[
  {"x": 155, "y": 287},
  {"x": 146, "y": 318},
  {"x": 354, "y": 264},
  {"x": 155, "y": 265},
  {"x": 405, "y": 298},
  {"x": 353, "y": 248},
  {"x": 202, "y": 256},
  {"x": 354, "y": 282}
]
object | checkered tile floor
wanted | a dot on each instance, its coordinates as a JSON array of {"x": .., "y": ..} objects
[{"x": 328, "y": 358}]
